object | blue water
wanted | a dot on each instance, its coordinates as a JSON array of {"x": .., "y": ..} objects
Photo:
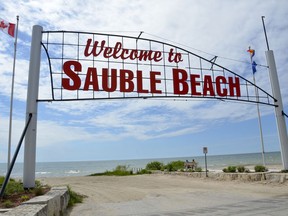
[{"x": 82, "y": 168}]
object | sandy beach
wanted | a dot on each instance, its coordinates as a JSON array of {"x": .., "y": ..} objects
[{"x": 159, "y": 194}]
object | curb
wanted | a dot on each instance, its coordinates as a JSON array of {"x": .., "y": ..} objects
[
  {"x": 279, "y": 178},
  {"x": 53, "y": 203}
]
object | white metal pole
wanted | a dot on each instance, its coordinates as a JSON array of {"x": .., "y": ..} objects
[
  {"x": 280, "y": 118},
  {"x": 31, "y": 107},
  {"x": 12, "y": 96},
  {"x": 259, "y": 123},
  {"x": 258, "y": 112}
]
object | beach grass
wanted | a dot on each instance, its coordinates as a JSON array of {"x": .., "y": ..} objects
[
  {"x": 121, "y": 170},
  {"x": 74, "y": 197}
]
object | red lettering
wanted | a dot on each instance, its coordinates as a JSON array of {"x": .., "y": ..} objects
[
  {"x": 126, "y": 80},
  {"x": 177, "y": 81},
  {"x": 222, "y": 92},
  {"x": 154, "y": 81},
  {"x": 72, "y": 75},
  {"x": 93, "y": 51},
  {"x": 140, "y": 83},
  {"x": 157, "y": 56},
  {"x": 133, "y": 54},
  {"x": 108, "y": 52},
  {"x": 105, "y": 80},
  {"x": 91, "y": 79},
  {"x": 119, "y": 52},
  {"x": 124, "y": 51},
  {"x": 234, "y": 85},
  {"x": 194, "y": 84},
  {"x": 208, "y": 86},
  {"x": 117, "y": 48}
]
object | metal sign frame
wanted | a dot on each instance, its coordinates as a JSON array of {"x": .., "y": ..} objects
[{"x": 203, "y": 78}]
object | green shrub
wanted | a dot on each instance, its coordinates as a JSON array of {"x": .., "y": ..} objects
[
  {"x": 154, "y": 165},
  {"x": 260, "y": 168},
  {"x": 241, "y": 169},
  {"x": 169, "y": 167},
  {"x": 231, "y": 169},
  {"x": 198, "y": 169},
  {"x": 175, "y": 165},
  {"x": 14, "y": 187},
  {"x": 284, "y": 171}
]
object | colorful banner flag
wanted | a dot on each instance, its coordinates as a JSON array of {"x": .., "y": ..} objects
[
  {"x": 8, "y": 28},
  {"x": 251, "y": 51},
  {"x": 253, "y": 63},
  {"x": 254, "y": 67}
]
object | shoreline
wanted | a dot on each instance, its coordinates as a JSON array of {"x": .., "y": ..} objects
[{"x": 82, "y": 168}]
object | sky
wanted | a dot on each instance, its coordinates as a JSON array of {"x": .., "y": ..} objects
[{"x": 138, "y": 129}]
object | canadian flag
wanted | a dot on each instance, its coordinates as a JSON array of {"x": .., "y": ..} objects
[{"x": 8, "y": 28}]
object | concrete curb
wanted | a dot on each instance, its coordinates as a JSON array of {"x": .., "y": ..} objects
[
  {"x": 53, "y": 203},
  {"x": 245, "y": 177}
]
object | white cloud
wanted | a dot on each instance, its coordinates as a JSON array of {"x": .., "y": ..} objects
[{"x": 222, "y": 28}]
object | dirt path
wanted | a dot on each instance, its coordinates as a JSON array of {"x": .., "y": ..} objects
[{"x": 164, "y": 194}]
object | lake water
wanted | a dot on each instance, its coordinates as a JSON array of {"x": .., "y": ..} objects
[{"x": 82, "y": 168}]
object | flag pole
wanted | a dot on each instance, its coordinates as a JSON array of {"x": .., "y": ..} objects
[
  {"x": 259, "y": 115},
  {"x": 265, "y": 32},
  {"x": 260, "y": 123},
  {"x": 12, "y": 95}
]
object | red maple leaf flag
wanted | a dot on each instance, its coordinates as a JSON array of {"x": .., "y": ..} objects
[{"x": 8, "y": 28}]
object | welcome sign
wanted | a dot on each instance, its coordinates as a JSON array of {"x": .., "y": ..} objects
[
  {"x": 93, "y": 66},
  {"x": 87, "y": 66}
]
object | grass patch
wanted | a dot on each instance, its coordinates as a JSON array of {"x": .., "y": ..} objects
[
  {"x": 120, "y": 170},
  {"x": 74, "y": 197}
]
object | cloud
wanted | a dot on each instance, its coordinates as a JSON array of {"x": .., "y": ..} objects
[{"x": 207, "y": 28}]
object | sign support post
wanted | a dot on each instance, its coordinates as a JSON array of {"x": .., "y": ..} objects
[
  {"x": 280, "y": 118},
  {"x": 31, "y": 107},
  {"x": 205, "y": 151}
]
